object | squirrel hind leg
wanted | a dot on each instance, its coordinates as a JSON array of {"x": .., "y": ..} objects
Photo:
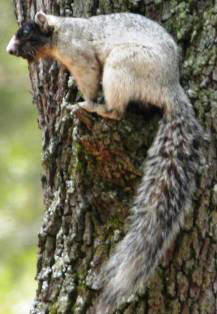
[
  {"x": 115, "y": 88},
  {"x": 114, "y": 92},
  {"x": 123, "y": 80},
  {"x": 101, "y": 110},
  {"x": 115, "y": 101}
]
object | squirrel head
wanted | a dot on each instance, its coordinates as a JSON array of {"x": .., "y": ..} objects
[{"x": 31, "y": 39}]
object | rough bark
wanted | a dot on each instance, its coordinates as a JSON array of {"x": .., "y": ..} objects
[{"x": 92, "y": 167}]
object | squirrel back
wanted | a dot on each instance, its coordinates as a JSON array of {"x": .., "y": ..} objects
[
  {"x": 136, "y": 60},
  {"x": 144, "y": 54}
]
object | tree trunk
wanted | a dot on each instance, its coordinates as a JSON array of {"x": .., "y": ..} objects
[{"x": 92, "y": 167}]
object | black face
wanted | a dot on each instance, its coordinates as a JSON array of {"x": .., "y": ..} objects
[{"x": 28, "y": 41}]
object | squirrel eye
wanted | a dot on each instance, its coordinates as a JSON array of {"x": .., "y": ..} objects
[{"x": 26, "y": 32}]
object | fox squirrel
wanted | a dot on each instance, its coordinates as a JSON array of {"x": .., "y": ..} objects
[{"x": 136, "y": 59}]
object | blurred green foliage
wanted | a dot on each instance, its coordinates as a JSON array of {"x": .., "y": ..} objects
[{"x": 20, "y": 191}]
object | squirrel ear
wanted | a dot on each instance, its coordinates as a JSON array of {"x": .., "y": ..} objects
[{"x": 41, "y": 20}]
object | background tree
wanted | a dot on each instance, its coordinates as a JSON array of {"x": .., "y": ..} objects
[{"x": 92, "y": 167}]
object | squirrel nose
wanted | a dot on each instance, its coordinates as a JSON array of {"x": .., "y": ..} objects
[
  {"x": 12, "y": 46},
  {"x": 10, "y": 51}
]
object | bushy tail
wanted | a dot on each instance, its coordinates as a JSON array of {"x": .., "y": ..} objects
[{"x": 163, "y": 198}]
